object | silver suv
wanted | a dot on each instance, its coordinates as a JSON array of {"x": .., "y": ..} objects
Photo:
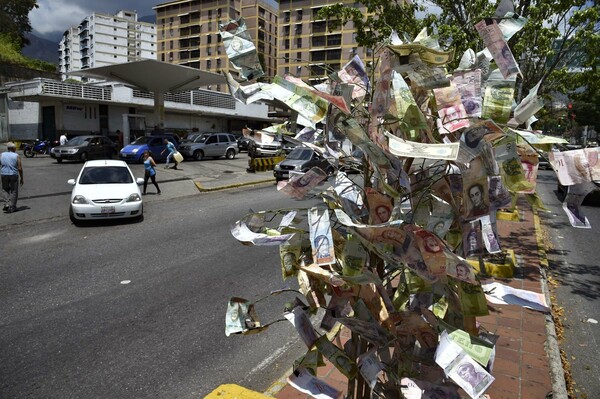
[{"x": 213, "y": 145}]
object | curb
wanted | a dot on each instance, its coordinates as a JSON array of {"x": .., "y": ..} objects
[
  {"x": 207, "y": 189},
  {"x": 557, "y": 372}
]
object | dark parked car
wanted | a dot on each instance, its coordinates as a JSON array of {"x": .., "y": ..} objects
[
  {"x": 82, "y": 148},
  {"x": 243, "y": 143},
  {"x": 301, "y": 159},
  {"x": 155, "y": 144}
]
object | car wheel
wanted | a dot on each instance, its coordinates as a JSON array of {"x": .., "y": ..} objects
[
  {"x": 75, "y": 221},
  {"x": 83, "y": 157},
  {"x": 230, "y": 154},
  {"x": 198, "y": 155},
  {"x": 59, "y": 160}
]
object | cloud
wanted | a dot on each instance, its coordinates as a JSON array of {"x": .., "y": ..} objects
[{"x": 58, "y": 15}]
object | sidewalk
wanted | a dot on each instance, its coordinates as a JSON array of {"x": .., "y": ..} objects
[{"x": 527, "y": 364}]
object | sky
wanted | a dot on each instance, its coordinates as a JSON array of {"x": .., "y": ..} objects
[{"x": 53, "y": 17}]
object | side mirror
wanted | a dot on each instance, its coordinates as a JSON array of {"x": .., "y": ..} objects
[
  {"x": 72, "y": 181},
  {"x": 139, "y": 181}
]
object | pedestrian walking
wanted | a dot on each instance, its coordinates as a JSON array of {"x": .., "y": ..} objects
[
  {"x": 63, "y": 139},
  {"x": 149, "y": 172},
  {"x": 172, "y": 150},
  {"x": 11, "y": 170}
]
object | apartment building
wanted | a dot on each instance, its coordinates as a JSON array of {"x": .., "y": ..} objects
[
  {"x": 102, "y": 39},
  {"x": 188, "y": 32},
  {"x": 307, "y": 49}
]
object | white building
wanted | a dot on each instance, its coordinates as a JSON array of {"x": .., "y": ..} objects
[{"x": 102, "y": 39}]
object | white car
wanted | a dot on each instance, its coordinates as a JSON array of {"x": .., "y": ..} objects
[{"x": 105, "y": 189}]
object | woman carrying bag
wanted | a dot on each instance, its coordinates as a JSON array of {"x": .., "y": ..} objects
[{"x": 149, "y": 172}]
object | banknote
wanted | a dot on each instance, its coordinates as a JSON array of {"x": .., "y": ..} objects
[
  {"x": 300, "y": 99},
  {"x": 461, "y": 368},
  {"x": 451, "y": 111},
  {"x": 412, "y": 149},
  {"x": 370, "y": 367},
  {"x": 349, "y": 196},
  {"x": 355, "y": 133},
  {"x": 320, "y": 236},
  {"x": 412, "y": 388},
  {"x": 501, "y": 294},
  {"x": 425, "y": 76},
  {"x": 529, "y": 105},
  {"x": 408, "y": 111},
  {"x": 479, "y": 349},
  {"x": 572, "y": 205},
  {"x": 371, "y": 331},
  {"x": 535, "y": 137},
  {"x": 310, "y": 361},
  {"x": 509, "y": 24},
  {"x": 302, "y": 323},
  {"x": 240, "y": 49},
  {"x": 468, "y": 84},
  {"x": 490, "y": 238},
  {"x": 249, "y": 93},
  {"x": 498, "y": 98},
  {"x": 355, "y": 73},
  {"x": 576, "y": 166},
  {"x": 428, "y": 55},
  {"x": 240, "y": 316},
  {"x": 299, "y": 185},
  {"x": 493, "y": 39},
  {"x": 336, "y": 356},
  {"x": 305, "y": 382},
  {"x": 244, "y": 234},
  {"x": 338, "y": 101}
]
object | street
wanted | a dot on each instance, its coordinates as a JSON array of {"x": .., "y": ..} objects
[
  {"x": 574, "y": 265},
  {"x": 138, "y": 309}
]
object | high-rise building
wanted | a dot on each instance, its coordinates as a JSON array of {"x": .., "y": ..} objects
[
  {"x": 307, "y": 49},
  {"x": 102, "y": 39},
  {"x": 188, "y": 32}
]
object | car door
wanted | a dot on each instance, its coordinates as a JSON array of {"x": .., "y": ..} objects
[
  {"x": 107, "y": 147},
  {"x": 156, "y": 146},
  {"x": 211, "y": 146},
  {"x": 95, "y": 148}
]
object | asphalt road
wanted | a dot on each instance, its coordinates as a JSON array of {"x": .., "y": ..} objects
[
  {"x": 575, "y": 266},
  {"x": 137, "y": 309}
]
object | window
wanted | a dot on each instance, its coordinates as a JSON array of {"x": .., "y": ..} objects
[
  {"x": 211, "y": 140},
  {"x": 298, "y": 55},
  {"x": 298, "y": 29},
  {"x": 299, "y": 42},
  {"x": 298, "y": 15},
  {"x": 209, "y": 39},
  {"x": 208, "y": 64},
  {"x": 219, "y": 63}
]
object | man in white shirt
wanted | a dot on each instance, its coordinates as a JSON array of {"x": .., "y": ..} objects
[{"x": 63, "y": 139}]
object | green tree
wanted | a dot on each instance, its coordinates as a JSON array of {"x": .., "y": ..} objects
[
  {"x": 14, "y": 20},
  {"x": 557, "y": 33}
]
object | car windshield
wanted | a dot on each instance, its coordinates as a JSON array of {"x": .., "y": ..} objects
[
  {"x": 78, "y": 140},
  {"x": 141, "y": 140},
  {"x": 300, "y": 154},
  {"x": 201, "y": 139},
  {"x": 106, "y": 175}
]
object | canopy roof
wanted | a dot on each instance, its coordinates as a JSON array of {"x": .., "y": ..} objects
[{"x": 154, "y": 76}]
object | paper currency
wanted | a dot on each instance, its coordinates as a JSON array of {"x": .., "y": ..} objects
[
  {"x": 529, "y": 105},
  {"x": 490, "y": 239},
  {"x": 461, "y": 368},
  {"x": 572, "y": 205},
  {"x": 320, "y": 237},
  {"x": 349, "y": 196},
  {"x": 451, "y": 111},
  {"x": 240, "y": 49},
  {"x": 498, "y": 98},
  {"x": 425, "y": 76},
  {"x": 353, "y": 257},
  {"x": 476, "y": 194},
  {"x": 472, "y": 299},
  {"x": 338, "y": 101},
  {"x": 371, "y": 331},
  {"x": 509, "y": 161},
  {"x": 480, "y": 350},
  {"x": 299, "y": 185},
  {"x": 408, "y": 111},
  {"x": 243, "y": 233},
  {"x": 301, "y": 100},
  {"x": 240, "y": 316},
  {"x": 576, "y": 166},
  {"x": 370, "y": 367},
  {"x": 353, "y": 130},
  {"x": 428, "y": 55},
  {"x": 411, "y": 149},
  {"x": 354, "y": 73},
  {"x": 493, "y": 39},
  {"x": 504, "y": 295},
  {"x": 468, "y": 84},
  {"x": 535, "y": 137},
  {"x": 290, "y": 253},
  {"x": 305, "y": 382},
  {"x": 500, "y": 197},
  {"x": 249, "y": 93},
  {"x": 416, "y": 389},
  {"x": 337, "y": 357},
  {"x": 302, "y": 323}
]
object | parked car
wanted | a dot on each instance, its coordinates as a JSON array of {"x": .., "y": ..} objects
[
  {"x": 214, "y": 145},
  {"x": 191, "y": 137},
  {"x": 155, "y": 144},
  {"x": 105, "y": 189},
  {"x": 263, "y": 149},
  {"x": 82, "y": 148},
  {"x": 243, "y": 143},
  {"x": 301, "y": 159}
]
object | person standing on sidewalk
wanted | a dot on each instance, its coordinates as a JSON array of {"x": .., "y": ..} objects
[
  {"x": 172, "y": 150},
  {"x": 11, "y": 170},
  {"x": 149, "y": 172}
]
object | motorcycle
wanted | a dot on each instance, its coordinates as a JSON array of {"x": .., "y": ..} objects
[{"x": 40, "y": 147}]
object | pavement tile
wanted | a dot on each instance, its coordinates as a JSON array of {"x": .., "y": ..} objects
[
  {"x": 533, "y": 389},
  {"x": 536, "y": 374},
  {"x": 506, "y": 367},
  {"x": 289, "y": 392},
  {"x": 534, "y": 347},
  {"x": 509, "y": 322},
  {"x": 534, "y": 336},
  {"x": 508, "y": 354},
  {"x": 507, "y": 384}
]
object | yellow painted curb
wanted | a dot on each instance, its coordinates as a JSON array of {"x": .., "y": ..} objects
[
  {"x": 540, "y": 241},
  {"x": 234, "y": 392},
  {"x": 204, "y": 189},
  {"x": 509, "y": 216},
  {"x": 504, "y": 270}
]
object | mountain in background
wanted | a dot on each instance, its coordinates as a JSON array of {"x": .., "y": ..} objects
[
  {"x": 41, "y": 49},
  {"x": 45, "y": 46}
]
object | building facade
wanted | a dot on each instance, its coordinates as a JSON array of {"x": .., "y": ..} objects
[
  {"x": 188, "y": 32},
  {"x": 102, "y": 39}
]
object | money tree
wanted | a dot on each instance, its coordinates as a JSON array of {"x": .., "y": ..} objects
[{"x": 392, "y": 256}]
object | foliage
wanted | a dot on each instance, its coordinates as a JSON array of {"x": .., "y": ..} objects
[
  {"x": 557, "y": 35},
  {"x": 11, "y": 53},
  {"x": 14, "y": 20}
]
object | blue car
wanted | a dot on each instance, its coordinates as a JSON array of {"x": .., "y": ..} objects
[{"x": 155, "y": 144}]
